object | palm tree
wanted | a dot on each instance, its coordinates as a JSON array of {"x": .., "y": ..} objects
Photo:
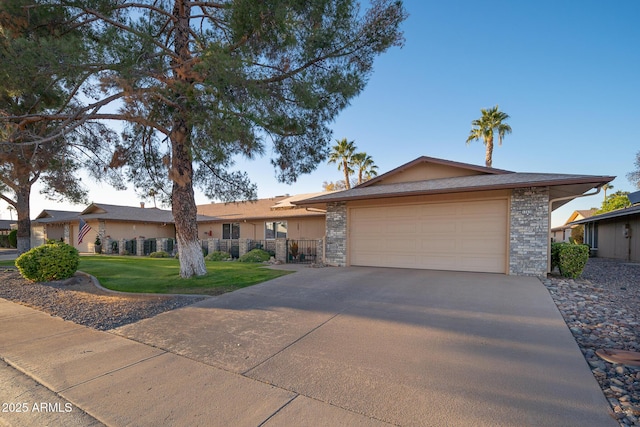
[
  {"x": 605, "y": 188},
  {"x": 365, "y": 166},
  {"x": 485, "y": 127},
  {"x": 342, "y": 154},
  {"x": 11, "y": 209}
]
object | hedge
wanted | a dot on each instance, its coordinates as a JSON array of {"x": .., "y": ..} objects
[
  {"x": 569, "y": 258},
  {"x": 13, "y": 239},
  {"x": 54, "y": 261}
]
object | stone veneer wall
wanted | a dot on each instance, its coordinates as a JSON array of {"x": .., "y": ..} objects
[
  {"x": 529, "y": 237},
  {"x": 336, "y": 226}
]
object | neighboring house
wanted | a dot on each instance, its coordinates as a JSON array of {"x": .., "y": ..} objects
[
  {"x": 6, "y": 226},
  {"x": 563, "y": 233},
  {"x": 263, "y": 219},
  {"x": 51, "y": 225},
  {"x": 614, "y": 234},
  {"x": 114, "y": 223},
  {"x": 444, "y": 215}
]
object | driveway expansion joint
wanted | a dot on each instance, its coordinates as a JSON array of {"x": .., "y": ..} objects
[{"x": 297, "y": 340}]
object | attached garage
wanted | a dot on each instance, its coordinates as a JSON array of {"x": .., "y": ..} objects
[
  {"x": 460, "y": 236},
  {"x": 443, "y": 215}
]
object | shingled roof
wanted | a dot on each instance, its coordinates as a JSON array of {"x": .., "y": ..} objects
[
  {"x": 126, "y": 213},
  {"x": 561, "y": 185},
  {"x": 632, "y": 210},
  {"x": 271, "y": 208},
  {"x": 50, "y": 215}
]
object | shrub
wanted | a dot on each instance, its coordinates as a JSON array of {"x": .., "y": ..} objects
[
  {"x": 218, "y": 256},
  {"x": 4, "y": 241},
  {"x": 569, "y": 258},
  {"x": 159, "y": 254},
  {"x": 555, "y": 254},
  {"x": 255, "y": 255},
  {"x": 13, "y": 239},
  {"x": 54, "y": 261}
]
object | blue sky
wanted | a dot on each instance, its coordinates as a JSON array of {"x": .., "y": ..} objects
[{"x": 567, "y": 72}]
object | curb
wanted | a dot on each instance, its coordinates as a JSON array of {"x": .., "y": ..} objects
[{"x": 97, "y": 284}]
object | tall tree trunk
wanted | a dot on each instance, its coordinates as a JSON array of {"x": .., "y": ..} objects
[
  {"x": 182, "y": 198},
  {"x": 345, "y": 166},
  {"x": 23, "y": 194},
  {"x": 183, "y": 203},
  {"x": 489, "y": 155}
]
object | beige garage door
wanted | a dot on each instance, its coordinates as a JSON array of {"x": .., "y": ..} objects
[{"x": 460, "y": 236}]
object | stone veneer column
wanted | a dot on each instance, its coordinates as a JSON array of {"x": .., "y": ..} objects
[
  {"x": 243, "y": 246},
  {"x": 140, "y": 246},
  {"x": 336, "y": 244},
  {"x": 281, "y": 250},
  {"x": 529, "y": 237}
]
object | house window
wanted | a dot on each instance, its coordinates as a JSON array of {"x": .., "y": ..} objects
[
  {"x": 231, "y": 231},
  {"x": 275, "y": 230}
]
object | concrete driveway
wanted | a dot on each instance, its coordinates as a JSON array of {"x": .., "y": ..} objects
[{"x": 370, "y": 346}]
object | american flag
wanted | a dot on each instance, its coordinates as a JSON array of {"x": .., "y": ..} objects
[{"x": 83, "y": 230}]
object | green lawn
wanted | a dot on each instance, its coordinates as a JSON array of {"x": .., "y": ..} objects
[{"x": 161, "y": 275}]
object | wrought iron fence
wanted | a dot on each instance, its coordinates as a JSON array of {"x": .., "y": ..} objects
[
  {"x": 302, "y": 251},
  {"x": 232, "y": 246},
  {"x": 149, "y": 246},
  {"x": 267, "y": 245},
  {"x": 131, "y": 247}
]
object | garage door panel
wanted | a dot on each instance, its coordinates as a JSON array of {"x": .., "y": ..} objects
[
  {"x": 401, "y": 227},
  {"x": 466, "y": 236},
  {"x": 432, "y": 247},
  {"x": 403, "y": 246},
  {"x": 488, "y": 246}
]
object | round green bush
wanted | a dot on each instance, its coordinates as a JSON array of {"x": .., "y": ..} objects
[
  {"x": 572, "y": 259},
  {"x": 218, "y": 256},
  {"x": 159, "y": 254},
  {"x": 13, "y": 239},
  {"x": 55, "y": 261},
  {"x": 255, "y": 255}
]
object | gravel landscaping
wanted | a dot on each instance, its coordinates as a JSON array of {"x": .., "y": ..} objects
[
  {"x": 602, "y": 310},
  {"x": 79, "y": 301}
]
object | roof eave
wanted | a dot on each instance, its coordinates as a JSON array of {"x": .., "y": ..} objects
[{"x": 595, "y": 181}]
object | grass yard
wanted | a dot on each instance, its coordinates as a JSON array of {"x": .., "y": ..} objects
[{"x": 162, "y": 275}]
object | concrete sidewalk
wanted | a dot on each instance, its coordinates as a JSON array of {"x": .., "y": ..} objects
[
  {"x": 333, "y": 346},
  {"x": 8, "y": 254}
]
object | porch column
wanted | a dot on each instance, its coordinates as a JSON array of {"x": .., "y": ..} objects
[
  {"x": 213, "y": 245},
  {"x": 336, "y": 234},
  {"x": 140, "y": 246},
  {"x": 281, "y": 250},
  {"x": 243, "y": 246}
]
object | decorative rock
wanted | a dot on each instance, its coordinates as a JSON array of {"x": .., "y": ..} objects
[{"x": 600, "y": 314}]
